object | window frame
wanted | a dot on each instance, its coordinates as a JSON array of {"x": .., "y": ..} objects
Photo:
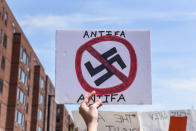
[
  {"x": 23, "y": 76},
  {"x": 21, "y": 96},
  {"x": 58, "y": 110},
  {"x": 3, "y": 60},
  {"x": 19, "y": 118},
  {"x": 40, "y": 115},
  {"x": 41, "y": 98},
  {"x": 42, "y": 83},
  {"x": 1, "y": 35},
  {"x": 24, "y": 57},
  {"x": 6, "y": 18},
  {"x": 39, "y": 128},
  {"x": 1, "y": 86},
  {"x": 5, "y": 38}
]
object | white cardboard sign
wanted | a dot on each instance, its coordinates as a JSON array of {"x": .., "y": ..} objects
[
  {"x": 114, "y": 63},
  {"x": 111, "y": 121},
  {"x": 154, "y": 121},
  {"x": 160, "y": 120}
]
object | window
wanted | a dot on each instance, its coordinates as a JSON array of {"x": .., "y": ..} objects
[
  {"x": 40, "y": 115},
  {"x": 27, "y": 107},
  {"x": 5, "y": 41},
  {"x": 0, "y": 109},
  {"x": 29, "y": 74},
  {"x": 41, "y": 99},
  {"x": 35, "y": 63},
  {"x": 49, "y": 88},
  {"x": 6, "y": 18},
  {"x": 1, "y": 85},
  {"x": 57, "y": 129},
  {"x": 2, "y": 15},
  {"x": 21, "y": 97},
  {"x": 58, "y": 110},
  {"x": 19, "y": 118},
  {"x": 39, "y": 128},
  {"x": 13, "y": 25},
  {"x": 1, "y": 32},
  {"x": 23, "y": 77},
  {"x": 15, "y": 30},
  {"x": 58, "y": 119},
  {"x": 3, "y": 63},
  {"x": 42, "y": 84},
  {"x": 24, "y": 57}
]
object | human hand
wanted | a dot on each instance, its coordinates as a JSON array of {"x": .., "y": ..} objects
[{"x": 90, "y": 112}]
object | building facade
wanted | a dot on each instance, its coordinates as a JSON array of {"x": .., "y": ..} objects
[
  {"x": 8, "y": 26},
  {"x": 39, "y": 96},
  {"x": 63, "y": 119},
  {"x": 27, "y": 100},
  {"x": 20, "y": 85},
  {"x": 50, "y": 112}
]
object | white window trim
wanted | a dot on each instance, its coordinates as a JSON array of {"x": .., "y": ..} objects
[
  {"x": 19, "y": 114},
  {"x": 21, "y": 96}
]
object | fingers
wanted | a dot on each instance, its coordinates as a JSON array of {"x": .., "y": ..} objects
[
  {"x": 88, "y": 98},
  {"x": 98, "y": 103}
]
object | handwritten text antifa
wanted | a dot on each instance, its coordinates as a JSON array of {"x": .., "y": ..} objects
[
  {"x": 105, "y": 98},
  {"x": 91, "y": 34}
]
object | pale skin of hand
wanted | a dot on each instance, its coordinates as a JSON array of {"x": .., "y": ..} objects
[{"x": 90, "y": 112}]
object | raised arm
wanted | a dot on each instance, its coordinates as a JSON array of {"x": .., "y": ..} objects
[{"x": 90, "y": 112}]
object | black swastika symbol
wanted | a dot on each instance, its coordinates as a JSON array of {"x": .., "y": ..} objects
[{"x": 93, "y": 71}]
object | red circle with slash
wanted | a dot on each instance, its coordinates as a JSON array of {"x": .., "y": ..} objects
[{"x": 126, "y": 81}]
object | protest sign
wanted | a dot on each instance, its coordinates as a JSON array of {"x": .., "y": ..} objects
[
  {"x": 111, "y": 121},
  {"x": 191, "y": 118},
  {"x": 168, "y": 120},
  {"x": 154, "y": 121},
  {"x": 116, "y": 64},
  {"x": 192, "y": 125}
]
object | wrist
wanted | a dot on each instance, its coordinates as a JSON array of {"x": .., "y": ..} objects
[{"x": 92, "y": 126}]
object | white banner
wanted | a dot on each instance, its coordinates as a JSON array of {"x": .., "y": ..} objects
[
  {"x": 160, "y": 120},
  {"x": 154, "y": 121},
  {"x": 116, "y": 64}
]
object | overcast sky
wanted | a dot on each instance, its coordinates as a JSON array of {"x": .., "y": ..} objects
[{"x": 173, "y": 40}]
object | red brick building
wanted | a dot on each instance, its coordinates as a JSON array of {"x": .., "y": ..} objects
[
  {"x": 39, "y": 96},
  {"x": 20, "y": 85},
  {"x": 50, "y": 117},
  {"x": 63, "y": 119},
  {"x": 8, "y": 26},
  {"x": 27, "y": 100}
]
